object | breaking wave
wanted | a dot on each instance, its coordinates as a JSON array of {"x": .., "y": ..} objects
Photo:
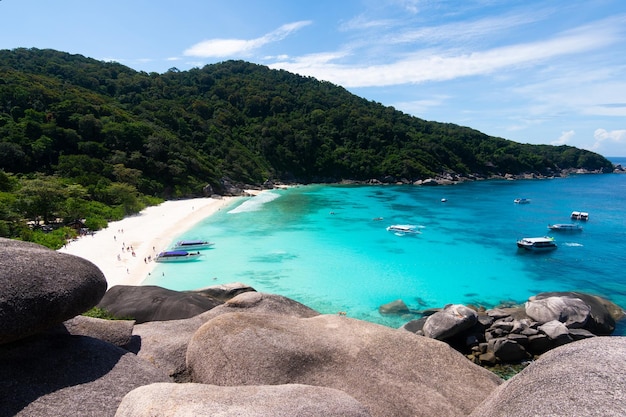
[{"x": 255, "y": 203}]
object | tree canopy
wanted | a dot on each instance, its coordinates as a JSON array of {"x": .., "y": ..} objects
[{"x": 122, "y": 135}]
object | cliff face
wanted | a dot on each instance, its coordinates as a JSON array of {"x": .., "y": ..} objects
[{"x": 258, "y": 354}]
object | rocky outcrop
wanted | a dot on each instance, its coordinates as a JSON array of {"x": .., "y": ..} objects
[
  {"x": 201, "y": 400},
  {"x": 576, "y": 310},
  {"x": 394, "y": 307},
  {"x": 453, "y": 319},
  {"x": 40, "y": 288},
  {"x": 514, "y": 334},
  {"x": 116, "y": 332},
  {"x": 263, "y": 303},
  {"x": 585, "y": 378},
  {"x": 151, "y": 303},
  {"x": 380, "y": 367},
  {"x": 262, "y": 354},
  {"x": 164, "y": 343},
  {"x": 62, "y": 375},
  {"x": 223, "y": 292}
]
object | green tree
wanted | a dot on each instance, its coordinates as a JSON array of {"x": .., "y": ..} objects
[{"x": 41, "y": 198}]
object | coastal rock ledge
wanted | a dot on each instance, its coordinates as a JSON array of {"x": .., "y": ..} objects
[
  {"x": 507, "y": 335},
  {"x": 257, "y": 354}
]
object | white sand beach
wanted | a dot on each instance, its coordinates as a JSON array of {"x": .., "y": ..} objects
[{"x": 121, "y": 251}]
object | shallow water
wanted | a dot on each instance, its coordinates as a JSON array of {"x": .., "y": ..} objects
[{"x": 323, "y": 245}]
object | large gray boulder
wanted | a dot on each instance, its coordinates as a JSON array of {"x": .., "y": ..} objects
[
  {"x": 164, "y": 343},
  {"x": 392, "y": 372},
  {"x": 602, "y": 315},
  {"x": 116, "y": 332},
  {"x": 584, "y": 378},
  {"x": 62, "y": 375},
  {"x": 453, "y": 319},
  {"x": 152, "y": 303},
  {"x": 200, "y": 400},
  {"x": 223, "y": 292},
  {"x": 571, "y": 311},
  {"x": 40, "y": 288},
  {"x": 264, "y": 303}
]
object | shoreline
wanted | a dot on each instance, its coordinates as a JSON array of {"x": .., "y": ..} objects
[{"x": 124, "y": 251}]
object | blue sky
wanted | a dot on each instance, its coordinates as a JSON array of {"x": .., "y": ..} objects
[{"x": 545, "y": 72}]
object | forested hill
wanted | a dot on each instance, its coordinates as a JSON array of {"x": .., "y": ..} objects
[{"x": 99, "y": 123}]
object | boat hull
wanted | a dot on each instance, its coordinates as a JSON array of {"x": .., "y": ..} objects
[
  {"x": 539, "y": 244},
  {"x": 192, "y": 245},
  {"x": 401, "y": 229},
  {"x": 177, "y": 256},
  {"x": 565, "y": 227}
]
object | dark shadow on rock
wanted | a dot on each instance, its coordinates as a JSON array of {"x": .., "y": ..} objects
[
  {"x": 40, "y": 365},
  {"x": 68, "y": 375},
  {"x": 134, "y": 346}
]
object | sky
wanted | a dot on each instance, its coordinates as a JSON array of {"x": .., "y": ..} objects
[{"x": 541, "y": 72}]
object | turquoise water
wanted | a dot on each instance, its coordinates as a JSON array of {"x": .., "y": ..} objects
[{"x": 322, "y": 246}]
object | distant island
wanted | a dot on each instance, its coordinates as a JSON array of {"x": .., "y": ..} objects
[{"x": 84, "y": 142}]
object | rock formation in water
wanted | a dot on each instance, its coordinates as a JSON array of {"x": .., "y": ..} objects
[{"x": 514, "y": 334}]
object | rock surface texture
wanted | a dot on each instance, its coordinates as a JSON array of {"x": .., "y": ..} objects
[
  {"x": 382, "y": 368},
  {"x": 40, "y": 288},
  {"x": 584, "y": 378},
  {"x": 60, "y": 375},
  {"x": 514, "y": 334},
  {"x": 200, "y": 400},
  {"x": 151, "y": 303},
  {"x": 244, "y": 353},
  {"x": 164, "y": 343}
]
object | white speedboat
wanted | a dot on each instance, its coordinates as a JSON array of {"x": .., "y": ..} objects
[
  {"x": 176, "y": 256},
  {"x": 565, "y": 227},
  {"x": 579, "y": 215},
  {"x": 403, "y": 229},
  {"x": 193, "y": 244},
  {"x": 537, "y": 243},
  {"x": 521, "y": 201}
]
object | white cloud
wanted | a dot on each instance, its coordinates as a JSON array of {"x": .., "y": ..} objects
[
  {"x": 219, "y": 48},
  {"x": 434, "y": 65},
  {"x": 564, "y": 138},
  {"x": 421, "y": 106},
  {"x": 479, "y": 29},
  {"x": 602, "y": 135}
]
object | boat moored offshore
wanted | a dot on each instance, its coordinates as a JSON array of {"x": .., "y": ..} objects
[
  {"x": 579, "y": 215},
  {"x": 176, "y": 256},
  {"x": 565, "y": 227},
  {"x": 404, "y": 229},
  {"x": 193, "y": 244},
  {"x": 537, "y": 243}
]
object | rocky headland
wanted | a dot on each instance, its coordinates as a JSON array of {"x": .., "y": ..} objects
[{"x": 230, "y": 350}]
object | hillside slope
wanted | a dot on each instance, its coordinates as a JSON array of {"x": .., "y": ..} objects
[{"x": 171, "y": 134}]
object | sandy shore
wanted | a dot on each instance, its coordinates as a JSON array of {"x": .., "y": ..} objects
[{"x": 121, "y": 251}]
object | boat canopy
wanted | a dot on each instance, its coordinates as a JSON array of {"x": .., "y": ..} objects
[{"x": 174, "y": 253}]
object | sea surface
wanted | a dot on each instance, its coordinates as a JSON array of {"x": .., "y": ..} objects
[{"x": 327, "y": 246}]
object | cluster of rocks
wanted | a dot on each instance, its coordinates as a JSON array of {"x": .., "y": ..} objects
[
  {"x": 451, "y": 178},
  {"x": 233, "y": 351},
  {"x": 515, "y": 334}
]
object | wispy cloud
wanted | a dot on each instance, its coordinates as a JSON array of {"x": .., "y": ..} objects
[
  {"x": 421, "y": 106},
  {"x": 220, "y": 48},
  {"x": 564, "y": 138},
  {"x": 437, "y": 66},
  {"x": 601, "y": 136},
  {"x": 478, "y": 29},
  {"x": 432, "y": 65}
]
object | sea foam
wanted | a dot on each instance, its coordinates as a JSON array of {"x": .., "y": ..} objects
[{"x": 255, "y": 203}]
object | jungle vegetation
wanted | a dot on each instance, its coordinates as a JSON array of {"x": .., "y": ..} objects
[{"x": 93, "y": 141}]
